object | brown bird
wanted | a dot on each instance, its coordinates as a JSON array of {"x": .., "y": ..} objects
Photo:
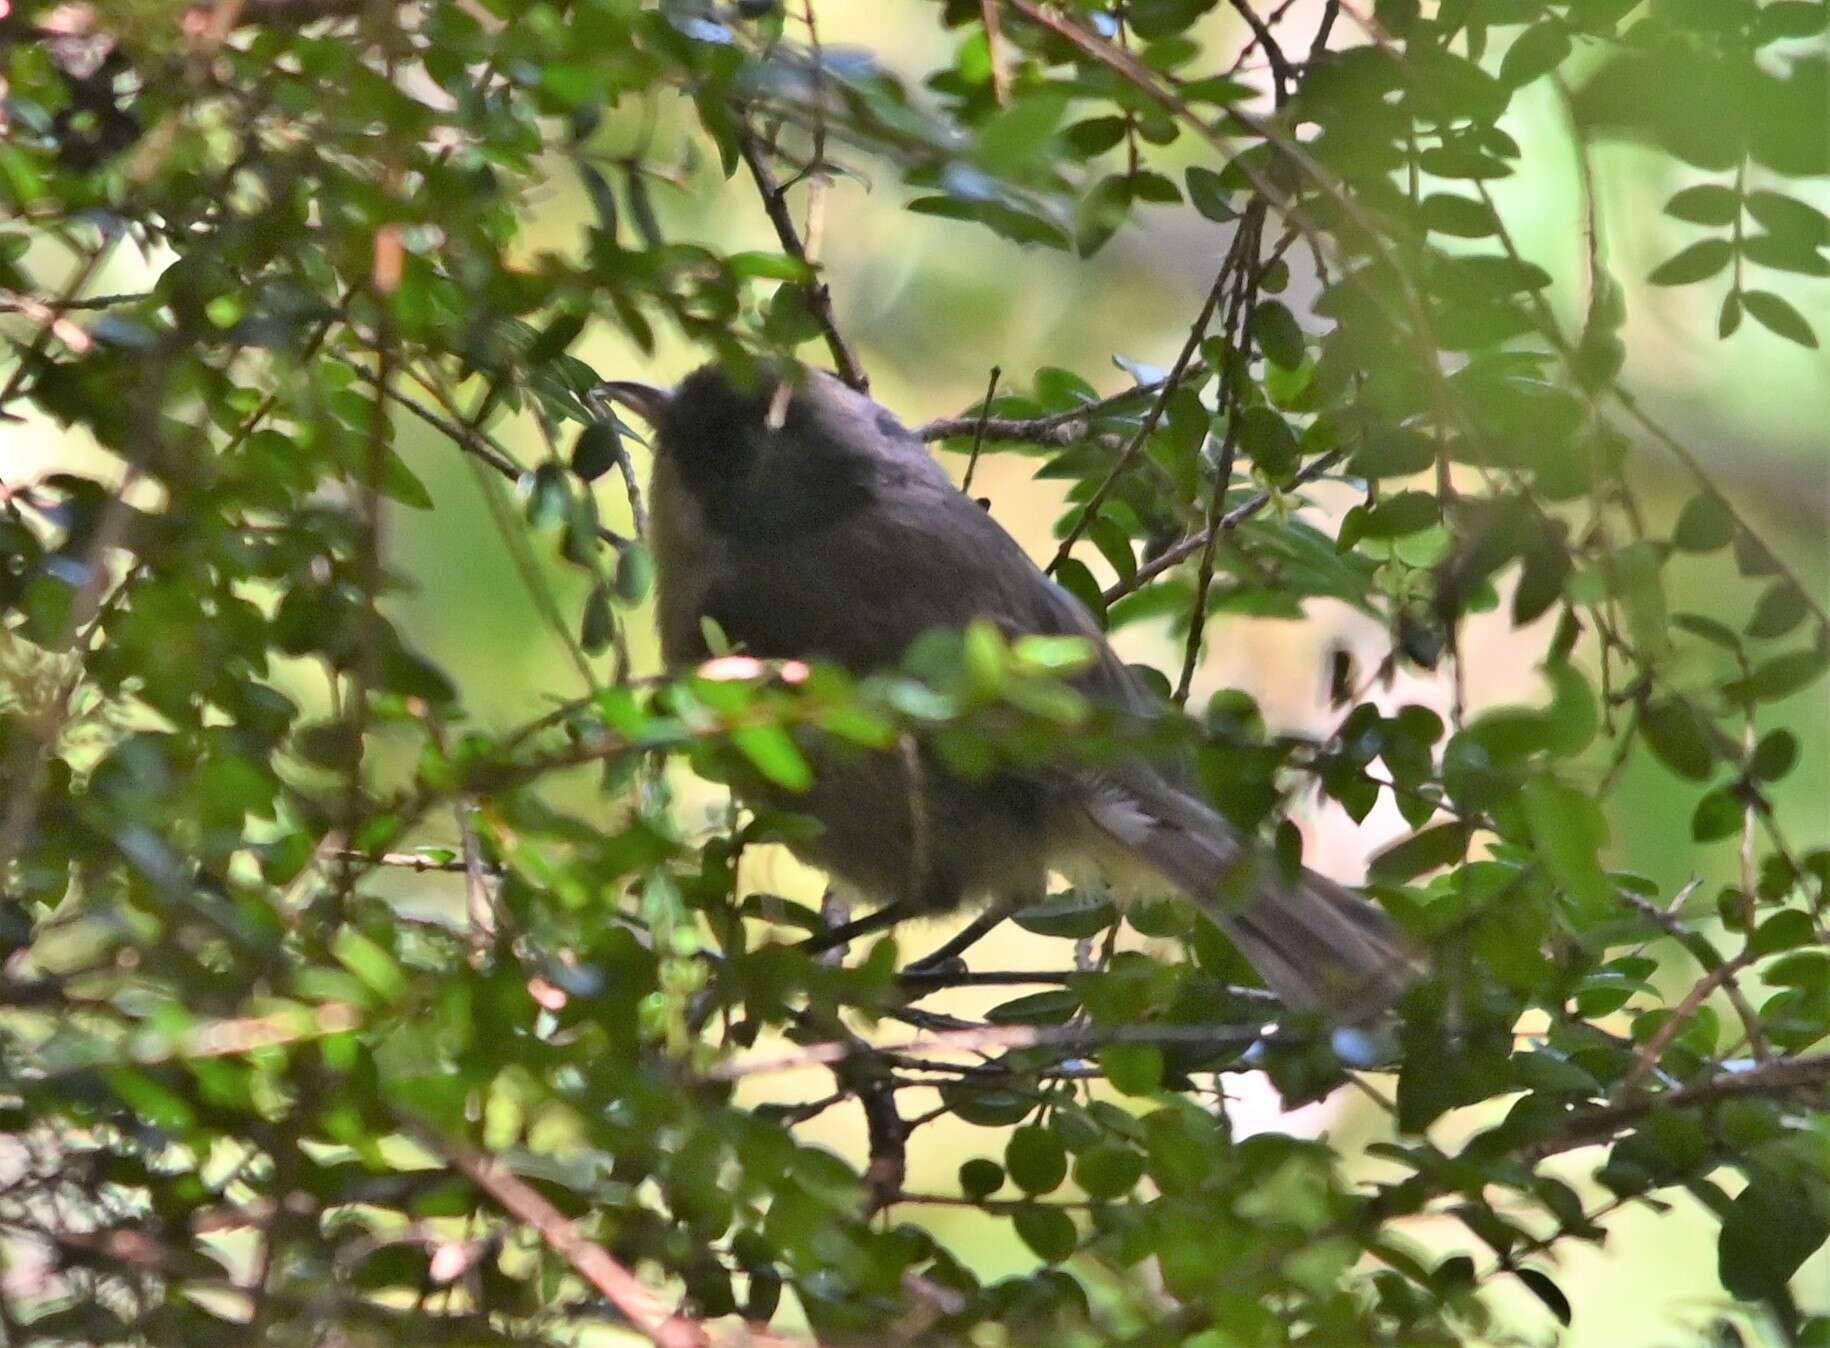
[{"x": 804, "y": 520}]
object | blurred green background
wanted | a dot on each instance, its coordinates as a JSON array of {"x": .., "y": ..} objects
[{"x": 932, "y": 305}]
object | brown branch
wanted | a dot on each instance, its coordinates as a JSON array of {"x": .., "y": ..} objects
[
  {"x": 819, "y": 294},
  {"x": 620, "y": 1287},
  {"x": 994, "y": 37},
  {"x": 1788, "y": 1077},
  {"x": 983, "y": 1037},
  {"x": 32, "y": 306}
]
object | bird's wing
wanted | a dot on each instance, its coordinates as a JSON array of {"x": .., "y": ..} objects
[{"x": 867, "y": 582}]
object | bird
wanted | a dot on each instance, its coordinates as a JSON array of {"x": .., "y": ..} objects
[{"x": 807, "y": 523}]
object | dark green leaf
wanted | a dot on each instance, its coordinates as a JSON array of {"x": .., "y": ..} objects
[
  {"x": 597, "y": 626},
  {"x": 1277, "y": 334},
  {"x": 1698, "y": 262},
  {"x": 1537, "y": 51},
  {"x": 1035, "y": 1159},
  {"x": 1778, "y": 317},
  {"x": 1772, "y": 1227},
  {"x": 1209, "y": 195},
  {"x": 1048, "y": 1231},
  {"x": 1705, "y": 524},
  {"x": 1431, "y": 849},
  {"x": 597, "y": 449},
  {"x": 1568, "y": 831},
  {"x": 1677, "y": 736},
  {"x": 1705, "y": 204},
  {"x": 1781, "y": 608},
  {"x": 980, "y": 1178}
]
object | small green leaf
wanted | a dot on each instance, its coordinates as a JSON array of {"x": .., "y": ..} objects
[
  {"x": 1546, "y": 1291},
  {"x": 1101, "y": 213},
  {"x": 769, "y": 266},
  {"x": 398, "y": 483},
  {"x": 1675, "y": 734},
  {"x": 774, "y": 754},
  {"x": 980, "y": 1178},
  {"x": 1073, "y": 915},
  {"x": 1774, "y": 756},
  {"x": 597, "y": 449},
  {"x": 1779, "y": 317},
  {"x": 1431, "y": 849},
  {"x": 634, "y": 573},
  {"x": 1770, "y": 1229},
  {"x": 1781, "y": 608},
  {"x": 370, "y": 963},
  {"x": 1393, "y": 452},
  {"x": 1698, "y": 262},
  {"x": 1035, "y": 1159},
  {"x": 1779, "y": 677},
  {"x": 1458, "y": 216},
  {"x": 1072, "y": 575},
  {"x": 1569, "y": 832},
  {"x": 1537, "y": 51},
  {"x": 1705, "y": 524},
  {"x": 1209, "y": 195},
  {"x": 1108, "y": 1170},
  {"x": 1705, "y": 204},
  {"x": 554, "y": 338},
  {"x": 1133, "y": 1069},
  {"x": 1048, "y": 1231},
  {"x": 1054, "y": 1006},
  {"x": 597, "y": 626},
  {"x": 1277, "y": 334},
  {"x": 1717, "y": 815}
]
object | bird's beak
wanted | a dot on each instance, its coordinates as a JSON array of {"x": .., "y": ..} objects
[{"x": 645, "y": 400}]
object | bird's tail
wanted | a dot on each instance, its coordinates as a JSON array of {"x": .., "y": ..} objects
[{"x": 1318, "y": 945}]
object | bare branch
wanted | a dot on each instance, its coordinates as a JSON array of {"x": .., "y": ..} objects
[
  {"x": 621, "y": 1288},
  {"x": 1057, "y": 428},
  {"x": 990, "y": 1036},
  {"x": 1791, "y": 1076}
]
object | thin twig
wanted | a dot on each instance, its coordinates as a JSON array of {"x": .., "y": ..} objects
[
  {"x": 1057, "y": 428},
  {"x": 1650, "y": 1052},
  {"x": 819, "y": 294},
  {"x": 964, "y": 939},
  {"x": 618, "y": 1285},
  {"x": 1786, "y": 1077},
  {"x": 990, "y": 1036},
  {"x": 978, "y": 432},
  {"x": 1281, "y": 74},
  {"x": 994, "y": 38},
  {"x": 32, "y": 306},
  {"x": 1244, "y": 258}
]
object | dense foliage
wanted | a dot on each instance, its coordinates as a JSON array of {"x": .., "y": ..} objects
[{"x": 248, "y": 1095}]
